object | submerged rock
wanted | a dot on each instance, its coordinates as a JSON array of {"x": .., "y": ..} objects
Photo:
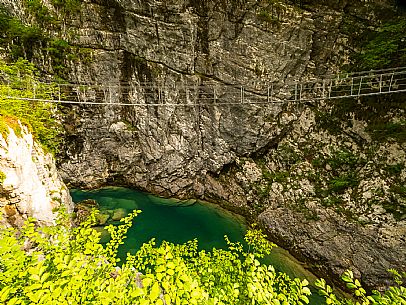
[
  {"x": 102, "y": 218},
  {"x": 118, "y": 214},
  {"x": 83, "y": 209}
]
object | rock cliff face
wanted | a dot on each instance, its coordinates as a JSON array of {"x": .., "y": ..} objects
[
  {"x": 333, "y": 194},
  {"x": 311, "y": 174},
  {"x": 30, "y": 185}
]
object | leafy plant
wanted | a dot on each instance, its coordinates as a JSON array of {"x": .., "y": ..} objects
[
  {"x": 60, "y": 51},
  {"x": 17, "y": 38},
  {"x": 395, "y": 169},
  {"x": 343, "y": 182},
  {"x": 19, "y": 82},
  {"x": 68, "y": 265},
  {"x": 385, "y": 47},
  {"x": 343, "y": 159},
  {"x": 394, "y": 295},
  {"x": 394, "y": 130},
  {"x": 41, "y": 13},
  {"x": 67, "y": 7}
]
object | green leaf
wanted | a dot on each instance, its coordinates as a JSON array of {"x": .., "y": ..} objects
[{"x": 155, "y": 291}]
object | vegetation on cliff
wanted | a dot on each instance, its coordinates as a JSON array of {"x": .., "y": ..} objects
[
  {"x": 384, "y": 47},
  {"x": 20, "y": 40},
  {"x": 69, "y": 266},
  {"x": 17, "y": 80}
]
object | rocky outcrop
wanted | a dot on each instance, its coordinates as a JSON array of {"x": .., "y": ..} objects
[
  {"x": 286, "y": 165},
  {"x": 31, "y": 186},
  {"x": 331, "y": 193}
]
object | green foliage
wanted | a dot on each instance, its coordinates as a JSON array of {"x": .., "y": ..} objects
[
  {"x": 66, "y": 265},
  {"x": 343, "y": 159},
  {"x": 399, "y": 190},
  {"x": 60, "y": 51},
  {"x": 69, "y": 266},
  {"x": 41, "y": 13},
  {"x": 272, "y": 11},
  {"x": 2, "y": 177},
  {"x": 395, "y": 206},
  {"x": 17, "y": 38},
  {"x": 45, "y": 16},
  {"x": 385, "y": 47},
  {"x": 67, "y": 7},
  {"x": 395, "y": 169},
  {"x": 377, "y": 112},
  {"x": 394, "y": 295},
  {"x": 343, "y": 165},
  {"x": 39, "y": 117},
  {"x": 266, "y": 17},
  {"x": 341, "y": 183},
  {"x": 20, "y": 40},
  {"x": 393, "y": 130}
]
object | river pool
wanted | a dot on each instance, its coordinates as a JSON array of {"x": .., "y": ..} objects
[{"x": 179, "y": 221}]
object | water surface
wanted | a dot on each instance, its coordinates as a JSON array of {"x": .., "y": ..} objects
[
  {"x": 179, "y": 222},
  {"x": 166, "y": 219}
]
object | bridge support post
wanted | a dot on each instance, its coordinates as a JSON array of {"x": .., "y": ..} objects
[
  {"x": 324, "y": 89},
  {"x": 330, "y": 88},
  {"x": 300, "y": 92},
  {"x": 267, "y": 95},
  {"x": 390, "y": 84},
  {"x": 110, "y": 95},
  {"x": 360, "y": 85},
  {"x": 352, "y": 86}
]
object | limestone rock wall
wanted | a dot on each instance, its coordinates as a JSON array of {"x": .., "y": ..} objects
[
  {"x": 173, "y": 44},
  {"x": 31, "y": 186},
  {"x": 332, "y": 190},
  {"x": 271, "y": 162}
]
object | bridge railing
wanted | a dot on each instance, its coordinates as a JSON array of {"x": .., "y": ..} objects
[{"x": 206, "y": 93}]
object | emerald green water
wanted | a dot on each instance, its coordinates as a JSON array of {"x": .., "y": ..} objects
[
  {"x": 178, "y": 222},
  {"x": 165, "y": 219}
]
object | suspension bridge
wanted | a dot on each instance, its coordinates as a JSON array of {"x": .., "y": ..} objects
[{"x": 165, "y": 94}]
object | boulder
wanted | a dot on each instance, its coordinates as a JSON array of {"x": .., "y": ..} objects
[{"x": 118, "y": 214}]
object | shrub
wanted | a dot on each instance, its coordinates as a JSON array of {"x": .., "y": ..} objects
[
  {"x": 17, "y": 38},
  {"x": 69, "y": 266},
  {"x": 341, "y": 183},
  {"x": 395, "y": 169},
  {"x": 394, "y": 295},
  {"x": 388, "y": 130},
  {"x": 385, "y": 47},
  {"x": 38, "y": 116}
]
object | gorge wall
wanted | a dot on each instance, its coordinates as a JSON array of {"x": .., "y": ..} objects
[
  {"x": 325, "y": 179},
  {"x": 30, "y": 185}
]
